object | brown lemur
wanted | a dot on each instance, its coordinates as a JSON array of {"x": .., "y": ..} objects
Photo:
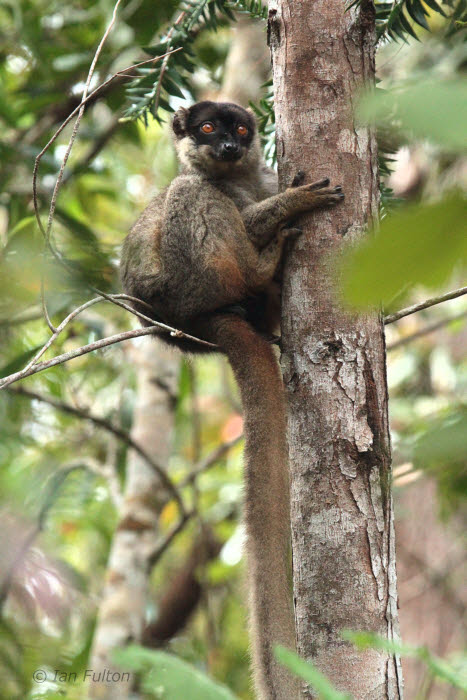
[{"x": 204, "y": 255}]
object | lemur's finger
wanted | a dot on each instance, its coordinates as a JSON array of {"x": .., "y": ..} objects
[
  {"x": 298, "y": 179},
  {"x": 318, "y": 185}
]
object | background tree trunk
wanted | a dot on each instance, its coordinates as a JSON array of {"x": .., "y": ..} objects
[
  {"x": 122, "y": 609},
  {"x": 334, "y": 364}
]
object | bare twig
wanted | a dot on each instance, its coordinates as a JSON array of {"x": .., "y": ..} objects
[
  {"x": 83, "y": 350},
  {"x": 96, "y": 148},
  {"x": 164, "y": 544},
  {"x": 424, "y": 305},
  {"x": 107, "y": 471},
  {"x": 92, "y": 95},
  {"x": 424, "y": 331},
  {"x": 209, "y": 461},
  {"x": 80, "y": 108},
  {"x": 165, "y": 62},
  {"x": 109, "y": 427},
  {"x": 116, "y": 299},
  {"x": 53, "y": 201}
]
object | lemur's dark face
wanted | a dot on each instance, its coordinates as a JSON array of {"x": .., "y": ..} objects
[{"x": 221, "y": 130}]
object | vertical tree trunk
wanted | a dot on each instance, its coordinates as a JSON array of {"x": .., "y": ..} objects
[
  {"x": 334, "y": 364},
  {"x": 122, "y": 610}
]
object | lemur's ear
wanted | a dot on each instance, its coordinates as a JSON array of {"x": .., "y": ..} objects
[{"x": 179, "y": 122}]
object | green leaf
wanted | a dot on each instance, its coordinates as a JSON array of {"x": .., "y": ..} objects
[
  {"x": 444, "y": 441},
  {"x": 440, "y": 450},
  {"x": 407, "y": 26},
  {"x": 445, "y": 670},
  {"x": 416, "y": 11},
  {"x": 29, "y": 222},
  {"x": 307, "y": 671},
  {"x": 172, "y": 88},
  {"x": 169, "y": 678},
  {"x": 418, "y": 244},
  {"x": 19, "y": 362},
  {"x": 435, "y": 109},
  {"x": 434, "y": 6}
]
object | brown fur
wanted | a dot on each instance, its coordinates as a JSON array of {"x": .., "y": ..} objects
[{"x": 213, "y": 274}]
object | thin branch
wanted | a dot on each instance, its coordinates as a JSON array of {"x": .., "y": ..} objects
[
  {"x": 107, "y": 471},
  {"x": 209, "y": 461},
  {"x": 114, "y": 298},
  {"x": 99, "y": 143},
  {"x": 106, "y": 425},
  {"x": 74, "y": 132},
  {"x": 83, "y": 350},
  {"x": 161, "y": 547},
  {"x": 424, "y": 331},
  {"x": 424, "y": 305},
  {"x": 165, "y": 62},
  {"x": 92, "y": 96},
  {"x": 79, "y": 117}
]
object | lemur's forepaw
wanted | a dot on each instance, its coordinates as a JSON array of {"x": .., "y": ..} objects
[
  {"x": 330, "y": 195},
  {"x": 298, "y": 179},
  {"x": 319, "y": 194}
]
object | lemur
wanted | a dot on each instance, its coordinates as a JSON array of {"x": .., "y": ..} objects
[{"x": 205, "y": 255}]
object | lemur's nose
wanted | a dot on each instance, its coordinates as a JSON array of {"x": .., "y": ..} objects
[{"x": 230, "y": 147}]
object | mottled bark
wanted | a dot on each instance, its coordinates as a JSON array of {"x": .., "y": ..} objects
[
  {"x": 334, "y": 364},
  {"x": 122, "y": 608}
]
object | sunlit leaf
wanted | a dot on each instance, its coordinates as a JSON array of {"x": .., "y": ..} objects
[
  {"x": 306, "y": 670},
  {"x": 19, "y": 362},
  {"x": 435, "y": 109},
  {"x": 168, "y": 677},
  {"x": 417, "y": 245},
  {"x": 441, "y": 451},
  {"x": 444, "y": 670}
]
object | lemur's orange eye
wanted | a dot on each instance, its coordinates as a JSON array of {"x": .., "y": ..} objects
[
  {"x": 207, "y": 128},
  {"x": 242, "y": 130}
]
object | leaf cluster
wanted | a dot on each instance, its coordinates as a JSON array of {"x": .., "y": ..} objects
[
  {"x": 396, "y": 20},
  {"x": 171, "y": 77}
]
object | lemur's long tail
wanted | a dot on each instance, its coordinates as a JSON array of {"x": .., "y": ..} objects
[{"x": 267, "y": 511}]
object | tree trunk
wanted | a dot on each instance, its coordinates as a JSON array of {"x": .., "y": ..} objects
[
  {"x": 334, "y": 364},
  {"x": 122, "y": 609}
]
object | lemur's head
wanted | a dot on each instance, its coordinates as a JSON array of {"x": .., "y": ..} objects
[{"x": 214, "y": 136}]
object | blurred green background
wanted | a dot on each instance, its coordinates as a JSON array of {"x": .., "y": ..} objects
[{"x": 48, "y": 485}]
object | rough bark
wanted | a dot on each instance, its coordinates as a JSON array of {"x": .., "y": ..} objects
[
  {"x": 122, "y": 610},
  {"x": 334, "y": 364}
]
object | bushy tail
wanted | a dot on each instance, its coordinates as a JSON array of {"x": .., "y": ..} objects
[{"x": 267, "y": 511}]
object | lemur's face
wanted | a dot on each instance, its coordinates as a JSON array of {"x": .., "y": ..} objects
[{"x": 220, "y": 131}]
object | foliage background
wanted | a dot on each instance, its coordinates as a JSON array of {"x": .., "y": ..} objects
[{"x": 51, "y": 462}]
